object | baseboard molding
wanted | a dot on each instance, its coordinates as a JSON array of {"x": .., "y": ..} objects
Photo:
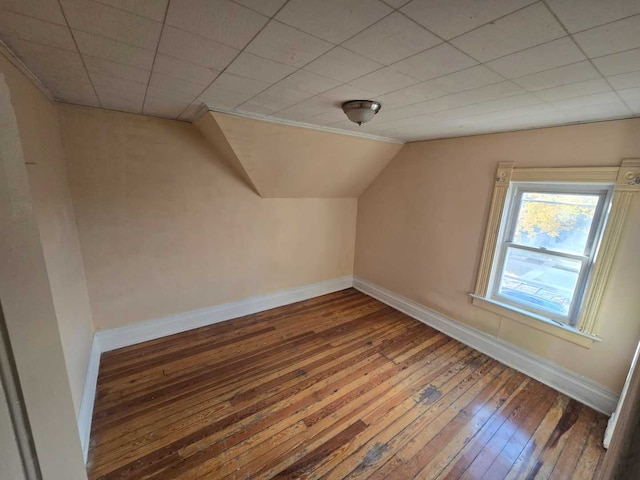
[
  {"x": 106, "y": 340},
  {"x": 151, "y": 329},
  {"x": 571, "y": 384},
  {"x": 88, "y": 397}
]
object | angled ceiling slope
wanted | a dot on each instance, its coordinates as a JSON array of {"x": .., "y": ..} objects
[{"x": 279, "y": 160}]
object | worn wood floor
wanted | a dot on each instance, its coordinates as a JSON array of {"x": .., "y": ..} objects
[{"x": 340, "y": 386}]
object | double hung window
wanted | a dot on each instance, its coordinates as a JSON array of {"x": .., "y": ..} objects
[{"x": 547, "y": 245}]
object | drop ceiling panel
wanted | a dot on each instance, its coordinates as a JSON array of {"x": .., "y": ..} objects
[
  {"x": 439, "y": 67},
  {"x": 332, "y": 20}
]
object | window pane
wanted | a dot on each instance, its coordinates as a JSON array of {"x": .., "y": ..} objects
[
  {"x": 555, "y": 221},
  {"x": 543, "y": 281}
]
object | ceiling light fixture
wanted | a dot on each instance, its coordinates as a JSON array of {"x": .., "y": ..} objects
[{"x": 361, "y": 111}]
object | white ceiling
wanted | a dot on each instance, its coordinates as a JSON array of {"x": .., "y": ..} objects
[{"x": 441, "y": 68}]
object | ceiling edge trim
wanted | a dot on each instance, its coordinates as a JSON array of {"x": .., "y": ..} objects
[
  {"x": 308, "y": 126},
  {"x": 7, "y": 52}
]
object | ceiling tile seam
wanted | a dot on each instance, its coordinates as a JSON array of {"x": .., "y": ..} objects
[
  {"x": 252, "y": 9},
  {"x": 15, "y": 60},
  {"x": 523, "y": 129},
  {"x": 341, "y": 45},
  {"x": 73, "y": 37},
  {"x": 601, "y": 24},
  {"x": 155, "y": 55},
  {"x": 579, "y": 47},
  {"x": 126, "y": 11},
  {"x": 452, "y": 109},
  {"x": 21, "y": 14},
  {"x": 270, "y": 19},
  {"x": 495, "y": 20},
  {"x": 40, "y": 43}
]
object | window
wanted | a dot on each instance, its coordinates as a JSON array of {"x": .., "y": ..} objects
[
  {"x": 547, "y": 244},
  {"x": 550, "y": 244}
]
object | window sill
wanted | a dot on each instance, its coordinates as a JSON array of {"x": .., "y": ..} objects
[{"x": 538, "y": 322}]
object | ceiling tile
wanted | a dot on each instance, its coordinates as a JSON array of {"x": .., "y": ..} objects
[
  {"x": 611, "y": 38},
  {"x": 235, "y": 83},
  {"x": 450, "y": 18},
  {"x": 112, "y": 69},
  {"x": 586, "y": 100},
  {"x": 221, "y": 98},
  {"x": 580, "y": 89},
  {"x": 119, "y": 94},
  {"x": 407, "y": 96},
  {"x": 435, "y": 62},
  {"x": 328, "y": 117},
  {"x": 258, "y": 68},
  {"x": 161, "y": 107},
  {"x": 622, "y": 62},
  {"x": 625, "y": 80},
  {"x": 308, "y": 108},
  {"x": 577, "y": 16},
  {"x": 115, "y": 51},
  {"x": 153, "y": 9},
  {"x": 50, "y": 63},
  {"x": 255, "y": 107},
  {"x": 332, "y": 20},
  {"x": 34, "y": 30},
  {"x": 184, "y": 70},
  {"x": 630, "y": 94},
  {"x": 276, "y": 98},
  {"x": 117, "y": 86},
  {"x": 467, "y": 79},
  {"x": 556, "y": 77},
  {"x": 392, "y": 39},
  {"x": 122, "y": 104},
  {"x": 195, "y": 49},
  {"x": 284, "y": 44},
  {"x": 172, "y": 88},
  {"x": 523, "y": 29},
  {"x": 308, "y": 82},
  {"x": 109, "y": 22},
  {"x": 597, "y": 112},
  {"x": 537, "y": 59},
  {"x": 383, "y": 81},
  {"x": 219, "y": 20},
  {"x": 48, "y": 10},
  {"x": 344, "y": 93},
  {"x": 396, "y": 3},
  {"x": 266, "y": 7},
  {"x": 342, "y": 65},
  {"x": 80, "y": 93}
]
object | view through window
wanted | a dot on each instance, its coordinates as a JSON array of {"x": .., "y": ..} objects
[{"x": 547, "y": 245}]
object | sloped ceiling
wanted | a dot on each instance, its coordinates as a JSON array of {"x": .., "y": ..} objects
[{"x": 279, "y": 160}]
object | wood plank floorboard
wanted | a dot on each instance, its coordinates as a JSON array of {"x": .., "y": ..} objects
[{"x": 338, "y": 386}]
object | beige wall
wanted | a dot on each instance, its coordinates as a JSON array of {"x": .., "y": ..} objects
[
  {"x": 29, "y": 311},
  {"x": 421, "y": 225},
  {"x": 39, "y": 128},
  {"x": 166, "y": 226}
]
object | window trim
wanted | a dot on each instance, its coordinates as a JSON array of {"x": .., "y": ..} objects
[
  {"x": 513, "y": 203},
  {"x": 626, "y": 183}
]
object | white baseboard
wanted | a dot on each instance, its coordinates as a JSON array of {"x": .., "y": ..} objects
[
  {"x": 88, "y": 397},
  {"x": 106, "y": 340},
  {"x": 571, "y": 384},
  {"x": 161, "y": 327}
]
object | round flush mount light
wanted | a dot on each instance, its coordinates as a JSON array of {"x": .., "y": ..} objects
[{"x": 361, "y": 111}]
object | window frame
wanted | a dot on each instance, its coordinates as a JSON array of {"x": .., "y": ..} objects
[
  {"x": 513, "y": 204},
  {"x": 626, "y": 184}
]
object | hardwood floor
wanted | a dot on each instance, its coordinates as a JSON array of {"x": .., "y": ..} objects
[{"x": 340, "y": 386}]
